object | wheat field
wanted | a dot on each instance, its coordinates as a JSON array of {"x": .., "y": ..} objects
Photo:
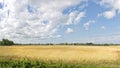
[{"x": 63, "y": 53}]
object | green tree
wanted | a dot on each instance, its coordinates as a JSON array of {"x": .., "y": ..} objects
[
  {"x": 6, "y": 42},
  {"x": 89, "y": 43}
]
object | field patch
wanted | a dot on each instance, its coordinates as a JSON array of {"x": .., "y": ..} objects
[
  {"x": 64, "y": 53},
  {"x": 60, "y": 56}
]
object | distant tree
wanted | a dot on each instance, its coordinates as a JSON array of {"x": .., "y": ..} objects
[
  {"x": 50, "y": 44},
  {"x": 75, "y": 43},
  {"x": 106, "y": 44},
  {"x": 89, "y": 43},
  {"x": 6, "y": 42}
]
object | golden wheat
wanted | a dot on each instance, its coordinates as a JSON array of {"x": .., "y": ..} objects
[{"x": 66, "y": 53}]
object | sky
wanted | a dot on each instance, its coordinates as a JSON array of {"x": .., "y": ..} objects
[{"x": 60, "y": 21}]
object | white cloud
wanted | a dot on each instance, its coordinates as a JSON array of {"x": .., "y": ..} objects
[
  {"x": 87, "y": 24},
  {"x": 113, "y": 5},
  {"x": 75, "y": 17},
  {"x": 108, "y": 14},
  {"x": 79, "y": 17},
  {"x": 69, "y": 30},
  {"x": 103, "y": 27},
  {"x": 36, "y": 18}
]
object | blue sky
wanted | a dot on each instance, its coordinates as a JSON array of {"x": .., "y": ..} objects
[{"x": 53, "y": 21}]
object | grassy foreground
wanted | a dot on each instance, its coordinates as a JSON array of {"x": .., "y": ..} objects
[
  {"x": 26, "y": 63},
  {"x": 60, "y": 57}
]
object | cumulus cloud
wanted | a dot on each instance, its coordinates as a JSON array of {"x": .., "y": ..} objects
[
  {"x": 75, "y": 17},
  {"x": 87, "y": 24},
  {"x": 112, "y": 5},
  {"x": 36, "y": 18},
  {"x": 108, "y": 14},
  {"x": 69, "y": 30}
]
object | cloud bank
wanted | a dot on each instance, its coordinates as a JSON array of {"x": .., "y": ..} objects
[
  {"x": 42, "y": 19},
  {"x": 36, "y": 18}
]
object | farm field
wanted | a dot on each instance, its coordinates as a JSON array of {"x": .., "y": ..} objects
[{"x": 108, "y": 55}]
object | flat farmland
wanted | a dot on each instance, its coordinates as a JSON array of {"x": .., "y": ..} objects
[{"x": 63, "y": 53}]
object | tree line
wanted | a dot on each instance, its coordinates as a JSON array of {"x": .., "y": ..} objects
[
  {"x": 6, "y": 42},
  {"x": 70, "y": 44}
]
